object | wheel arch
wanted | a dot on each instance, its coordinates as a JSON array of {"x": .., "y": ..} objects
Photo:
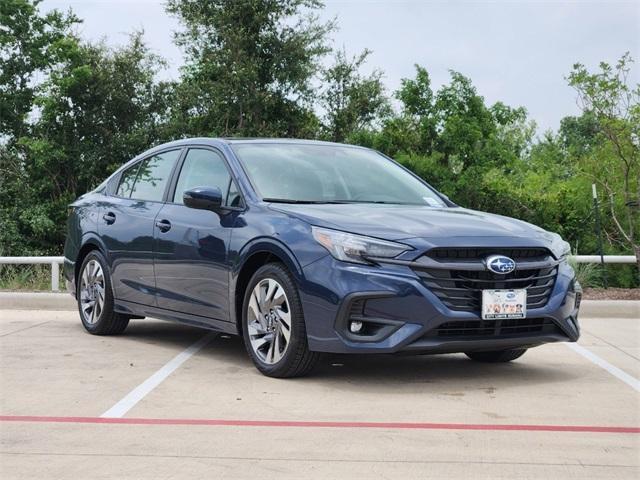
[
  {"x": 251, "y": 258},
  {"x": 89, "y": 243}
]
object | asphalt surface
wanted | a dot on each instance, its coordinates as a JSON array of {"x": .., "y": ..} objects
[{"x": 168, "y": 401}]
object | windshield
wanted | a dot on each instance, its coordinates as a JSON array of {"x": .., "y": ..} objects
[{"x": 306, "y": 173}]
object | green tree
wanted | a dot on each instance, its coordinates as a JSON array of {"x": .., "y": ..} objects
[
  {"x": 540, "y": 189},
  {"x": 30, "y": 43},
  {"x": 579, "y": 134},
  {"x": 454, "y": 124},
  {"x": 452, "y": 138},
  {"x": 418, "y": 111},
  {"x": 249, "y": 64},
  {"x": 613, "y": 101},
  {"x": 350, "y": 101},
  {"x": 98, "y": 108}
]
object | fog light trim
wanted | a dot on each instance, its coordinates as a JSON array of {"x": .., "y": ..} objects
[{"x": 354, "y": 326}]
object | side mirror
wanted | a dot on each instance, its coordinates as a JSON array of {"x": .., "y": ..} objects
[{"x": 203, "y": 198}]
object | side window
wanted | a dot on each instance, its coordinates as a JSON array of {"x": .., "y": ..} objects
[
  {"x": 203, "y": 168},
  {"x": 127, "y": 179},
  {"x": 153, "y": 176}
]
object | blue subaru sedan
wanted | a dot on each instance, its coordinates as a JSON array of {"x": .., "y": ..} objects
[{"x": 305, "y": 247}]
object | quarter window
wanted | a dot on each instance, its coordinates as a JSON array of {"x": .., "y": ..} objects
[
  {"x": 127, "y": 179},
  {"x": 234, "y": 199},
  {"x": 206, "y": 168},
  {"x": 153, "y": 176}
]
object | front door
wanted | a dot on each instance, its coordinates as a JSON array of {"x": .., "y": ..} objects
[
  {"x": 191, "y": 246},
  {"x": 126, "y": 225}
]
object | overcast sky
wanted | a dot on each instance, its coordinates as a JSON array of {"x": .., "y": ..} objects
[{"x": 514, "y": 51}]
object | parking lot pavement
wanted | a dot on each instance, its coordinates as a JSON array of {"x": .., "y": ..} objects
[{"x": 554, "y": 413}]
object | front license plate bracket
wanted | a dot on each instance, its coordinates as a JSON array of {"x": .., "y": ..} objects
[{"x": 504, "y": 304}]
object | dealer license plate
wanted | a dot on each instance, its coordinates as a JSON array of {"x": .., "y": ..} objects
[{"x": 504, "y": 304}]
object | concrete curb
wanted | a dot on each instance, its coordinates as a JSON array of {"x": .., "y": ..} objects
[
  {"x": 64, "y": 301},
  {"x": 36, "y": 301},
  {"x": 610, "y": 308}
]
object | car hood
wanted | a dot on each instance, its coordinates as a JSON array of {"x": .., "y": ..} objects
[{"x": 398, "y": 222}]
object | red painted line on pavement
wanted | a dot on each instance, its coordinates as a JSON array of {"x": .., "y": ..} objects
[{"x": 320, "y": 424}]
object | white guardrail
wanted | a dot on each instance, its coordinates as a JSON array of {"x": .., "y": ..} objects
[{"x": 55, "y": 263}]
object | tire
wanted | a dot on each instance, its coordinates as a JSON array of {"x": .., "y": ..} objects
[
  {"x": 271, "y": 300},
  {"x": 497, "y": 356},
  {"x": 92, "y": 285}
]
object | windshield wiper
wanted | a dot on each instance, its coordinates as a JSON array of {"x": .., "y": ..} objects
[
  {"x": 333, "y": 202},
  {"x": 304, "y": 202},
  {"x": 383, "y": 202}
]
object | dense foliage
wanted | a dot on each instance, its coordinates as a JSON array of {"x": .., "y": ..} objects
[{"x": 72, "y": 111}]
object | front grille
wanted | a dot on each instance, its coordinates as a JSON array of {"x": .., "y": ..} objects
[
  {"x": 459, "y": 285},
  {"x": 452, "y": 254},
  {"x": 494, "y": 328}
]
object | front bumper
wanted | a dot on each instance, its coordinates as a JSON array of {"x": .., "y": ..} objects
[{"x": 402, "y": 315}]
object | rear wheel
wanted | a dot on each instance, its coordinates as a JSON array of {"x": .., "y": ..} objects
[
  {"x": 273, "y": 324},
  {"x": 95, "y": 298},
  {"x": 497, "y": 356}
]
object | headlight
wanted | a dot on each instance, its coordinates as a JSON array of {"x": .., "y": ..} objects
[
  {"x": 559, "y": 247},
  {"x": 356, "y": 248}
]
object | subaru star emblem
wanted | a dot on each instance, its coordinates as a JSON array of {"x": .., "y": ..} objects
[{"x": 500, "y": 264}]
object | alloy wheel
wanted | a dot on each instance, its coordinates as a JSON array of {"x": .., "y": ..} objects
[
  {"x": 92, "y": 287},
  {"x": 269, "y": 321}
]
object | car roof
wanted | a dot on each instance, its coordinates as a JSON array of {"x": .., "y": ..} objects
[
  {"x": 245, "y": 140},
  {"x": 241, "y": 140}
]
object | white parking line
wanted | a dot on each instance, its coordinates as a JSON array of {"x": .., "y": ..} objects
[
  {"x": 615, "y": 371},
  {"x": 142, "y": 390}
]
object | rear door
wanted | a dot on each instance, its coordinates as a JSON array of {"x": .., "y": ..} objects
[
  {"x": 127, "y": 223},
  {"x": 191, "y": 249}
]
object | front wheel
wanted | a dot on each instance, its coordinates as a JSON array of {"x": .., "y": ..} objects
[
  {"x": 497, "y": 356},
  {"x": 95, "y": 298},
  {"x": 273, "y": 324}
]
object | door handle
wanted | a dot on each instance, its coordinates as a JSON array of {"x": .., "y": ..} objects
[
  {"x": 163, "y": 225},
  {"x": 109, "y": 218}
]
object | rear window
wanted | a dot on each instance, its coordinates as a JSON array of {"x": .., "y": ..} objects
[{"x": 148, "y": 179}]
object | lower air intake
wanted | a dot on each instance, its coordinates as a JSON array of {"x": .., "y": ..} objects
[{"x": 494, "y": 328}]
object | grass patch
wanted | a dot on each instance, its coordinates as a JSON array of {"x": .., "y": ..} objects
[
  {"x": 587, "y": 274},
  {"x": 27, "y": 277}
]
